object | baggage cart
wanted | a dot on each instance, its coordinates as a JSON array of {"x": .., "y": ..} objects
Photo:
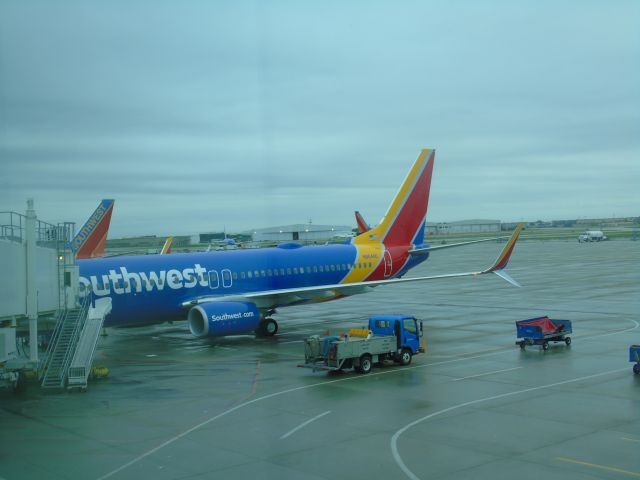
[{"x": 541, "y": 331}]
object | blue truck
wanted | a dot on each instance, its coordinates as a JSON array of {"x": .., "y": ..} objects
[{"x": 394, "y": 338}]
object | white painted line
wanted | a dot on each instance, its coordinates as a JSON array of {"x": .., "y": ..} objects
[
  {"x": 291, "y": 390},
  {"x": 394, "y": 439},
  {"x": 487, "y": 373},
  {"x": 630, "y": 439},
  {"x": 302, "y": 425},
  {"x": 290, "y": 341}
]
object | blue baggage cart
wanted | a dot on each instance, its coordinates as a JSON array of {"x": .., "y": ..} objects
[
  {"x": 542, "y": 330},
  {"x": 634, "y": 356}
]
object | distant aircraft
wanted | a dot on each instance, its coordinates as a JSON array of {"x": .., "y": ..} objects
[
  {"x": 166, "y": 248},
  {"x": 362, "y": 225},
  {"x": 92, "y": 237},
  {"x": 237, "y": 291}
]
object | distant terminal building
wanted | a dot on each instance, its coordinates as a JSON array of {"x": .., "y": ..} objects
[
  {"x": 305, "y": 233},
  {"x": 463, "y": 226}
]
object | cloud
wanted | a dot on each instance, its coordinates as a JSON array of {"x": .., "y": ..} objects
[{"x": 250, "y": 114}]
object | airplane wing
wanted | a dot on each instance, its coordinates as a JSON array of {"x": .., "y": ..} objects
[
  {"x": 423, "y": 250},
  {"x": 292, "y": 296}
]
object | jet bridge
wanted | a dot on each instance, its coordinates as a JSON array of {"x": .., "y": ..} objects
[{"x": 39, "y": 288}]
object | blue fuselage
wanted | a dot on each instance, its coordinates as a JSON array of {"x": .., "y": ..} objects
[{"x": 152, "y": 288}]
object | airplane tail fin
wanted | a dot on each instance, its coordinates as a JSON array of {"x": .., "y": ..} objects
[
  {"x": 92, "y": 237},
  {"x": 166, "y": 249},
  {"x": 405, "y": 218},
  {"x": 362, "y": 225}
]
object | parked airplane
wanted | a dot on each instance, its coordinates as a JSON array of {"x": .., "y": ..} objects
[
  {"x": 92, "y": 237},
  {"x": 362, "y": 225},
  {"x": 166, "y": 248},
  {"x": 237, "y": 291}
]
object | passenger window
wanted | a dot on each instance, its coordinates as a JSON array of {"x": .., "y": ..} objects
[
  {"x": 282, "y": 272},
  {"x": 321, "y": 268},
  {"x": 242, "y": 275},
  {"x": 315, "y": 269},
  {"x": 269, "y": 272},
  {"x": 263, "y": 273},
  {"x": 249, "y": 274},
  {"x": 214, "y": 281},
  {"x": 288, "y": 271},
  {"x": 295, "y": 270},
  {"x": 235, "y": 275},
  {"x": 308, "y": 269},
  {"x": 333, "y": 268},
  {"x": 275, "y": 272},
  {"x": 226, "y": 278},
  {"x": 256, "y": 273}
]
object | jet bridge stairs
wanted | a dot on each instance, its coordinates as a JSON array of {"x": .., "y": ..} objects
[{"x": 73, "y": 343}]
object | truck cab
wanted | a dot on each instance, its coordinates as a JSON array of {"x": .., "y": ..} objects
[{"x": 406, "y": 328}]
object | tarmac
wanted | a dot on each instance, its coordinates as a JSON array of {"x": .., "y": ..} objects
[{"x": 474, "y": 406}]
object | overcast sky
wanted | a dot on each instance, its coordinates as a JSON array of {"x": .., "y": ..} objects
[{"x": 196, "y": 116}]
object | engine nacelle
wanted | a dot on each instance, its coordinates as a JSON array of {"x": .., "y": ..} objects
[{"x": 217, "y": 319}]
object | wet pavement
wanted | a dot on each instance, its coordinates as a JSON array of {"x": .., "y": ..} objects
[{"x": 474, "y": 406}]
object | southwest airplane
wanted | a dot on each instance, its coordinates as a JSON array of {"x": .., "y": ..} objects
[
  {"x": 92, "y": 237},
  {"x": 237, "y": 291}
]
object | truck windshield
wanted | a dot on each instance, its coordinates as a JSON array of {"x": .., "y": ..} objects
[{"x": 410, "y": 325}]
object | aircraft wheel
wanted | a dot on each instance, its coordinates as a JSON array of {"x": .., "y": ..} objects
[{"x": 270, "y": 327}]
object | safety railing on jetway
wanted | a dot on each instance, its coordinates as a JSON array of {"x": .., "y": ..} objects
[{"x": 13, "y": 226}]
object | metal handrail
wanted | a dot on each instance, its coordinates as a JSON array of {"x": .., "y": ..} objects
[
  {"x": 84, "y": 307},
  {"x": 62, "y": 317}
]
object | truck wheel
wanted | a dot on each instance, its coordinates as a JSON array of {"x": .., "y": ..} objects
[
  {"x": 567, "y": 340},
  {"x": 636, "y": 369},
  {"x": 545, "y": 346},
  {"x": 365, "y": 363},
  {"x": 522, "y": 344},
  {"x": 405, "y": 357}
]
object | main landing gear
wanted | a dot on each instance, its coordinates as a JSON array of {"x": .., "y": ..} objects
[{"x": 267, "y": 328}]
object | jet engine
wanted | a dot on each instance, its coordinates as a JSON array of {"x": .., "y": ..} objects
[{"x": 217, "y": 319}]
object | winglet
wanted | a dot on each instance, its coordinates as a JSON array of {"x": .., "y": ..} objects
[{"x": 503, "y": 258}]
